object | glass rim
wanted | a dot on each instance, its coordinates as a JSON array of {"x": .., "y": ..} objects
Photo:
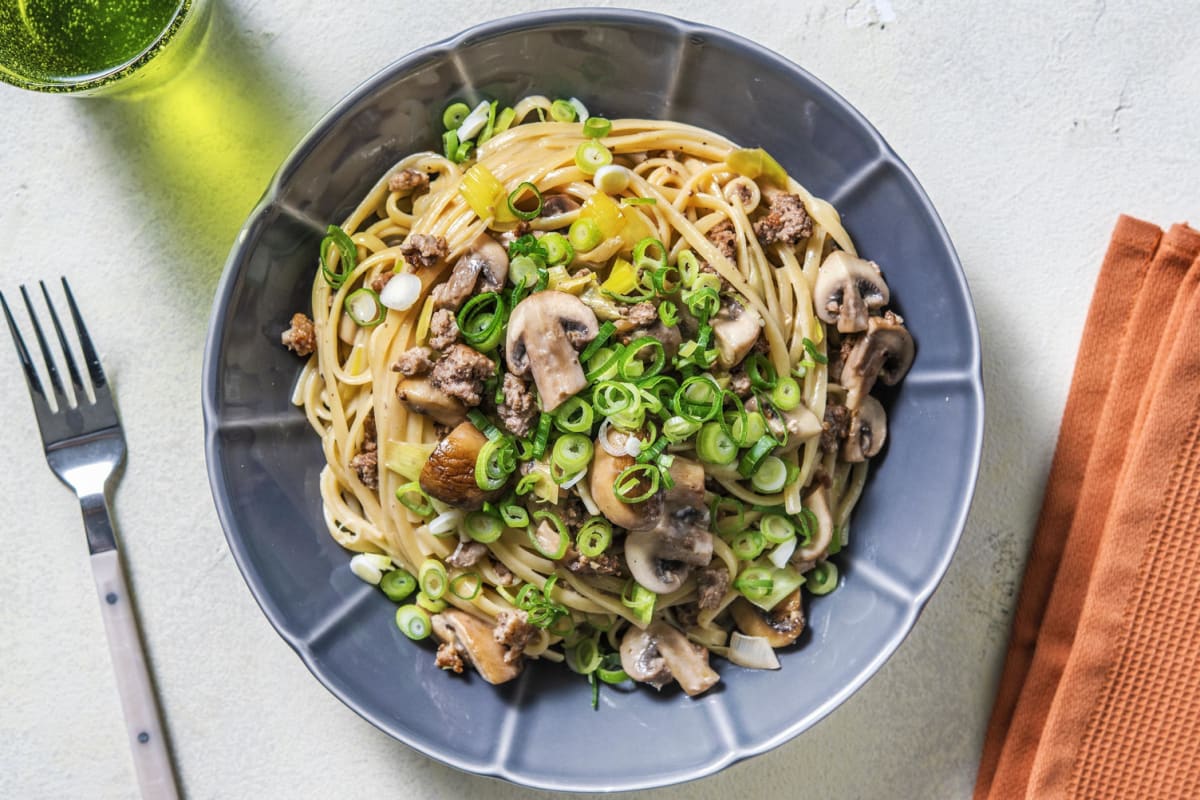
[{"x": 111, "y": 75}]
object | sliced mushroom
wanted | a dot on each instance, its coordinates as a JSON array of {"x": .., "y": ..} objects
[
  {"x": 660, "y": 558},
  {"x": 735, "y": 328},
  {"x": 555, "y": 205},
  {"x": 818, "y": 502},
  {"x": 449, "y": 474},
  {"x": 543, "y": 333},
  {"x": 780, "y": 626},
  {"x": 885, "y": 352},
  {"x": 868, "y": 431},
  {"x": 602, "y": 484},
  {"x": 474, "y": 640},
  {"x": 485, "y": 263},
  {"x": 661, "y": 653},
  {"x": 848, "y": 289},
  {"x": 422, "y": 397},
  {"x": 800, "y": 423}
]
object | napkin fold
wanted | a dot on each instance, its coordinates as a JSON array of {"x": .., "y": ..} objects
[{"x": 1095, "y": 623}]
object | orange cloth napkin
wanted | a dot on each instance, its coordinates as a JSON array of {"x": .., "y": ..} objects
[{"x": 1100, "y": 694}]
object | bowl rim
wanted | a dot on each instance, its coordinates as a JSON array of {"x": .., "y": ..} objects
[{"x": 260, "y": 216}]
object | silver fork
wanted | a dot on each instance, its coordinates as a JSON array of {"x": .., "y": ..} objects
[{"x": 85, "y": 445}]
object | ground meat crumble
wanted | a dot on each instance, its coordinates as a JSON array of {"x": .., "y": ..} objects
[
  {"x": 449, "y": 658},
  {"x": 786, "y": 221},
  {"x": 603, "y": 564},
  {"x": 724, "y": 236},
  {"x": 422, "y": 250},
  {"x": 409, "y": 181},
  {"x": 519, "y": 409},
  {"x": 835, "y": 427},
  {"x": 301, "y": 337},
  {"x": 711, "y": 585},
  {"x": 414, "y": 362},
  {"x": 467, "y": 554},
  {"x": 514, "y": 632},
  {"x": 461, "y": 372},
  {"x": 443, "y": 329},
  {"x": 366, "y": 462}
]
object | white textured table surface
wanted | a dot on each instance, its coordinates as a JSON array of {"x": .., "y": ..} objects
[{"x": 1030, "y": 126}]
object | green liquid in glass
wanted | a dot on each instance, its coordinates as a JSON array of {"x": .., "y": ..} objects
[{"x": 55, "y": 42}]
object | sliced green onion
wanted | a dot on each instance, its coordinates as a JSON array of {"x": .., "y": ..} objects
[
  {"x": 776, "y": 528},
  {"x": 515, "y": 196},
  {"x": 715, "y": 446},
  {"x": 591, "y": 156},
  {"x": 770, "y": 475},
  {"x": 747, "y": 545},
  {"x": 677, "y": 429},
  {"x": 668, "y": 312},
  {"x": 596, "y": 127},
  {"x": 564, "y": 539},
  {"x": 822, "y": 579},
  {"x": 482, "y": 319},
  {"x": 575, "y": 415},
  {"x": 755, "y": 583},
  {"x": 504, "y": 121},
  {"x": 594, "y": 537},
  {"x": 755, "y": 456},
  {"x": 471, "y": 581},
  {"x": 631, "y": 367},
  {"x": 587, "y": 656},
  {"x": 514, "y": 515},
  {"x": 480, "y": 421},
  {"x": 639, "y": 201},
  {"x": 644, "y": 259},
  {"x": 398, "y": 584},
  {"x": 523, "y": 271},
  {"x": 615, "y": 397},
  {"x": 703, "y": 303},
  {"x": 558, "y": 249},
  {"x": 542, "y": 437},
  {"x": 347, "y": 252},
  {"x": 454, "y": 114},
  {"x": 698, "y": 399},
  {"x": 835, "y": 542},
  {"x": 610, "y": 670},
  {"x": 483, "y": 527},
  {"x": 689, "y": 268},
  {"x": 786, "y": 393},
  {"x": 572, "y": 453},
  {"x": 746, "y": 429},
  {"x": 643, "y": 477},
  {"x": 602, "y": 336},
  {"x": 413, "y": 622},
  {"x": 429, "y": 604},
  {"x": 432, "y": 578},
  {"x": 584, "y": 235},
  {"x": 450, "y": 145},
  {"x": 363, "y": 306},
  {"x": 562, "y": 111},
  {"x": 497, "y": 460},
  {"x": 639, "y": 599},
  {"x": 463, "y": 151},
  {"x": 602, "y": 365},
  {"x": 422, "y": 506},
  {"x": 760, "y": 371},
  {"x": 527, "y": 245},
  {"x": 816, "y": 355},
  {"x": 728, "y": 515},
  {"x": 611, "y": 179},
  {"x": 489, "y": 129}
]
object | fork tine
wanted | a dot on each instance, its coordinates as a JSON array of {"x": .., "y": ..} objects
[
  {"x": 31, "y": 376},
  {"x": 76, "y": 379},
  {"x": 85, "y": 341},
  {"x": 60, "y": 394}
]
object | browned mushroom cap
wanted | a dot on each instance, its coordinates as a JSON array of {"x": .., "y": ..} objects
[
  {"x": 735, "y": 329},
  {"x": 602, "y": 483},
  {"x": 660, "y": 558},
  {"x": 868, "y": 431},
  {"x": 848, "y": 289},
  {"x": 885, "y": 352},
  {"x": 543, "y": 333},
  {"x": 474, "y": 640},
  {"x": 422, "y": 397},
  {"x": 484, "y": 263},
  {"x": 449, "y": 474},
  {"x": 661, "y": 653},
  {"x": 780, "y": 626}
]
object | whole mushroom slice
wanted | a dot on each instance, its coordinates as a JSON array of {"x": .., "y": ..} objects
[
  {"x": 419, "y": 395},
  {"x": 868, "y": 431},
  {"x": 735, "y": 329},
  {"x": 780, "y": 626},
  {"x": 475, "y": 641},
  {"x": 884, "y": 352},
  {"x": 449, "y": 474},
  {"x": 848, "y": 289},
  {"x": 602, "y": 482},
  {"x": 661, "y": 653},
  {"x": 543, "y": 333},
  {"x": 485, "y": 263}
]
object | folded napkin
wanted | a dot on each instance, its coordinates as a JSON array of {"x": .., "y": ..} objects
[{"x": 1100, "y": 694}]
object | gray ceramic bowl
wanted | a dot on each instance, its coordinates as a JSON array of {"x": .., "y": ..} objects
[{"x": 264, "y": 461}]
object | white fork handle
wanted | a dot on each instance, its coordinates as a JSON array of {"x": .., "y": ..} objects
[{"x": 155, "y": 776}]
